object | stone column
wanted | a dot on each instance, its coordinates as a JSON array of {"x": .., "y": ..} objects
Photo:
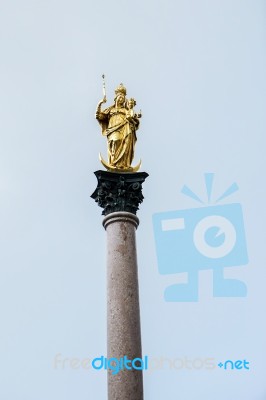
[
  {"x": 123, "y": 316},
  {"x": 119, "y": 194}
]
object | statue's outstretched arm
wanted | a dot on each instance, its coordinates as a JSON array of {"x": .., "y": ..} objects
[{"x": 98, "y": 114}]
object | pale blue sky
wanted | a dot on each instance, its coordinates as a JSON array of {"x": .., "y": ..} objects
[{"x": 197, "y": 71}]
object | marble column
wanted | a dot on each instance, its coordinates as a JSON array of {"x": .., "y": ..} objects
[
  {"x": 123, "y": 316},
  {"x": 119, "y": 194}
]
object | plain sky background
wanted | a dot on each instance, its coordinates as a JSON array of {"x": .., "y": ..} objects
[{"x": 197, "y": 70}]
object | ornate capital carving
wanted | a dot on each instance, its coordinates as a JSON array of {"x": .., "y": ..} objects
[{"x": 118, "y": 191}]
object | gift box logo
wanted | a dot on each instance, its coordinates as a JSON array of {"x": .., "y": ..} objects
[{"x": 209, "y": 237}]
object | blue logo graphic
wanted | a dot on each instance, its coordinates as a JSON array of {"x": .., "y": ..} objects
[{"x": 210, "y": 237}]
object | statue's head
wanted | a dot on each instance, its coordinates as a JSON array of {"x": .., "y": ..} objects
[
  {"x": 120, "y": 95},
  {"x": 120, "y": 100},
  {"x": 131, "y": 103}
]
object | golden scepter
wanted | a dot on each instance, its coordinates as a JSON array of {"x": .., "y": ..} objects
[{"x": 104, "y": 89}]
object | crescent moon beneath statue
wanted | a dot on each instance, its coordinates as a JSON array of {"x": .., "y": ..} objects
[{"x": 114, "y": 169}]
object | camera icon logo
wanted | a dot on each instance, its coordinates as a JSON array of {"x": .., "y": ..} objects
[{"x": 206, "y": 238}]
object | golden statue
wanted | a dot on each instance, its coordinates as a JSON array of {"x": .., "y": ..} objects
[{"x": 119, "y": 123}]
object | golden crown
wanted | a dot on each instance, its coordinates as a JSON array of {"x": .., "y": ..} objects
[{"x": 121, "y": 89}]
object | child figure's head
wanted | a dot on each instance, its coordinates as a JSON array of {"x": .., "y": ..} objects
[{"x": 131, "y": 103}]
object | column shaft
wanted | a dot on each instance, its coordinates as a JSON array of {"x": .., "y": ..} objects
[{"x": 123, "y": 314}]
